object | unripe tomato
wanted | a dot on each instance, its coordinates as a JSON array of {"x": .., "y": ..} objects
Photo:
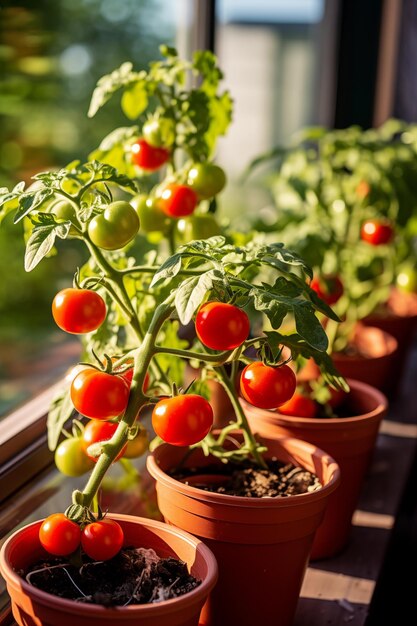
[
  {"x": 329, "y": 288},
  {"x": 207, "y": 179},
  {"x": 198, "y": 227},
  {"x": 152, "y": 219},
  {"x": 78, "y": 311},
  {"x": 377, "y": 232},
  {"x": 102, "y": 540},
  {"x": 65, "y": 211},
  {"x": 221, "y": 326},
  {"x": 97, "y": 431},
  {"x": 159, "y": 132},
  {"x": 177, "y": 200},
  {"x": 267, "y": 387},
  {"x": 138, "y": 446},
  {"x": 148, "y": 157},
  {"x": 115, "y": 227},
  {"x": 59, "y": 535},
  {"x": 71, "y": 459},
  {"x": 182, "y": 420},
  {"x": 99, "y": 395},
  {"x": 299, "y": 406},
  {"x": 407, "y": 278}
]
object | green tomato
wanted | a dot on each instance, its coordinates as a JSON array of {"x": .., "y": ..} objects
[
  {"x": 150, "y": 215},
  {"x": 65, "y": 211},
  {"x": 198, "y": 227},
  {"x": 407, "y": 278},
  {"x": 115, "y": 227},
  {"x": 71, "y": 459},
  {"x": 159, "y": 132},
  {"x": 206, "y": 179}
]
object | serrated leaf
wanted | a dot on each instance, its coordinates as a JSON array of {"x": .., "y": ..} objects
[
  {"x": 41, "y": 242},
  {"x": 60, "y": 412},
  {"x": 29, "y": 202},
  {"x": 309, "y": 327},
  {"x": 191, "y": 293},
  {"x": 170, "y": 268},
  {"x": 134, "y": 100},
  {"x": 270, "y": 305},
  {"x": 107, "y": 85}
]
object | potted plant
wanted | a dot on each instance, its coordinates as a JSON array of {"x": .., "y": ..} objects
[
  {"x": 338, "y": 208},
  {"x": 346, "y": 426},
  {"x": 128, "y": 311}
]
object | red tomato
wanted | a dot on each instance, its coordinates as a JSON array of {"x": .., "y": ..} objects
[
  {"x": 300, "y": 406},
  {"x": 177, "y": 200},
  {"x": 221, "y": 326},
  {"x": 59, "y": 535},
  {"x": 78, "y": 311},
  {"x": 148, "y": 157},
  {"x": 127, "y": 376},
  {"x": 182, "y": 420},
  {"x": 97, "y": 431},
  {"x": 329, "y": 288},
  {"x": 99, "y": 395},
  {"x": 267, "y": 387},
  {"x": 377, "y": 232},
  {"x": 102, "y": 540}
]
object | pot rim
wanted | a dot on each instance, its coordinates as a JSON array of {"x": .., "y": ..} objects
[
  {"x": 243, "y": 501},
  {"x": 98, "y": 610},
  {"x": 357, "y": 385}
]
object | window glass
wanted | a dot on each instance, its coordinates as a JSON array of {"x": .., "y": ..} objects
[{"x": 51, "y": 55}]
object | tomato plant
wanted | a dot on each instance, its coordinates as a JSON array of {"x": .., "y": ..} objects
[
  {"x": 115, "y": 227},
  {"x": 148, "y": 157},
  {"x": 78, "y": 311},
  {"x": 152, "y": 219},
  {"x": 102, "y": 540},
  {"x": 65, "y": 211},
  {"x": 71, "y": 459},
  {"x": 98, "y": 431},
  {"x": 299, "y": 405},
  {"x": 328, "y": 287},
  {"x": 159, "y": 132},
  {"x": 177, "y": 200},
  {"x": 221, "y": 326},
  {"x": 267, "y": 387},
  {"x": 207, "y": 179},
  {"x": 182, "y": 420},
  {"x": 377, "y": 232},
  {"x": 59, "y": 535},
  {"x": 99, "y": 395}
]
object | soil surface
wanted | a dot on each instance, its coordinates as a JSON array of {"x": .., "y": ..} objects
[
  {"x": 134, "y": 576},
  {"x": 279, "y": 480}
]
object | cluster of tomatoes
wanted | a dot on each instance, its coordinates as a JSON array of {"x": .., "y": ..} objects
[{"x": 101, "y": 539}]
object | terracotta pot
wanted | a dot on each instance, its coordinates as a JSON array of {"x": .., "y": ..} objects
[
  {"x": 32, "y": 607},
  {"x": 219, "y": 400},
  {"x": 375, "y": 362},
  {"x": 350, "y": 441},
  {"x": 399, "y": 319},
  {"x": 262, "y": 545}
]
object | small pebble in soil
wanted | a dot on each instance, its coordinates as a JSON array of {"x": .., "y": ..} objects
[
  {"x": 134, "y": 576},
  {"x": 279, "y": 480}
]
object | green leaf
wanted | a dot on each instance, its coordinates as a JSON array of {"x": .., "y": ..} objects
[
  {"x": 168, "y": 269},
  {"x": 60, "y": 412},
  {"x": 135, "y": 100},
  {"x": 41, "y": 242},
  {"x": 309, "y": 327},
  {"x": 109, "y": 84},
  {"x": 191, "y": 293},
  {"x": 270, "y": 305},
  {"x": 168, "y": 51},
  {"x": 29, "y": 202}
]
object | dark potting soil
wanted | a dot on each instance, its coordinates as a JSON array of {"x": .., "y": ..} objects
[
  {"x": 279, "y": 480},
  {"x": 134, "y": 576}
]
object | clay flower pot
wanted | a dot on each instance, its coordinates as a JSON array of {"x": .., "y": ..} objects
[
  {"x": 32, "y": 607},
  {"x": 349, "y": 440},
  {"x": 262, "y": 545},
  {"x": 374, "y": 363},
  {"x": 399, "y": 319}
]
